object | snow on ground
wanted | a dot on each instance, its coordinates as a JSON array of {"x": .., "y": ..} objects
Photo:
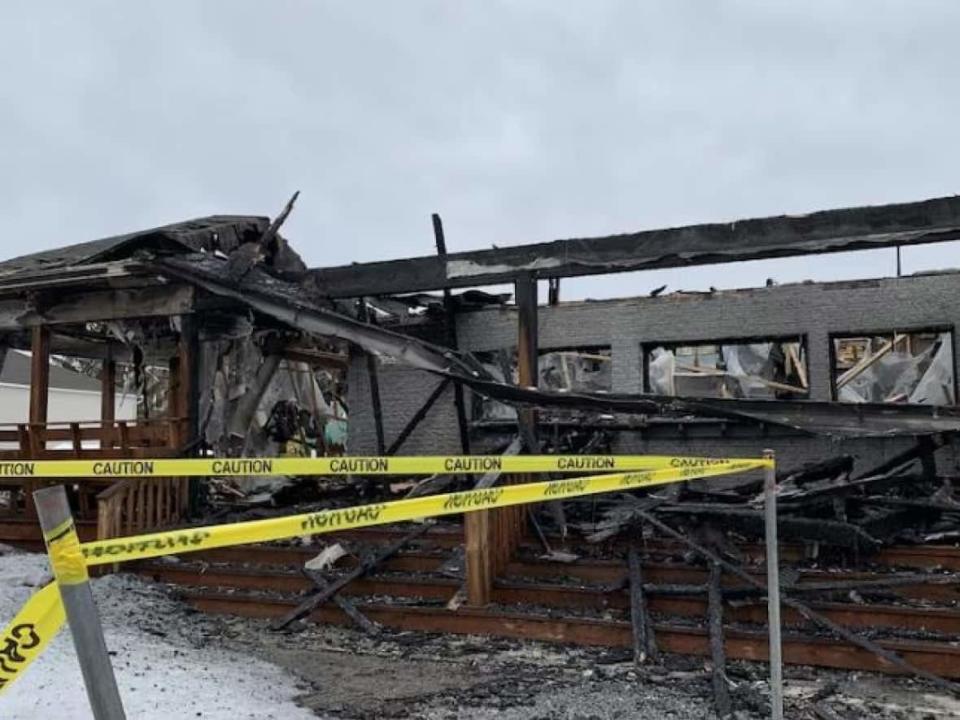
[{"x": 168, "y": 663}]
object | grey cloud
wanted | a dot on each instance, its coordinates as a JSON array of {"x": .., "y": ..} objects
[{"x": 519, "y": 122}]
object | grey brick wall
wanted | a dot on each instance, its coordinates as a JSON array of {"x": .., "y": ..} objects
[
  {"x": 402, "y": 391},
  {"x": 813, "y": 310}
]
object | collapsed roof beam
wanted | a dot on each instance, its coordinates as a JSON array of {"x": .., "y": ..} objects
[
  {"x": 781, "y": 236},
  {"x": 289, "y": 304}
]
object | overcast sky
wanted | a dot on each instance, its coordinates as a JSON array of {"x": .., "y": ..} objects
[{"x": 517, "y": 121}]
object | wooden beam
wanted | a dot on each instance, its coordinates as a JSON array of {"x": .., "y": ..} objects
[
  {"x": 373, "y": 379},
  {"x": 846, "y": 229},
  {"x": 644, "y": 644},
  {"x": 866, "y": 362},
  {"x": 108, "y": 390},
  {"x": 718, "y": 657},
  {"x": 188, "y": 403},
  {"x": 39, "y": 374},
  {"x": 527, "y": 334},
  {"x": 478, "y": 557},
  {"x": 81, "y": 348},
  {"x": 317, "y": 358},
  {"x": 318, "y": 599},
  {"x": 450, "y": 329},
  {"x": 81, "y": 307}
]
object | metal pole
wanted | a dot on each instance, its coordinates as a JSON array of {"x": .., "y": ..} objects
[
  {"x": 63, "y": 546},
  {"x": 773, "y": 587}
]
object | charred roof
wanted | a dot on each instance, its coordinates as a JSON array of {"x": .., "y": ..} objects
[{"x": 215, "y": 232}]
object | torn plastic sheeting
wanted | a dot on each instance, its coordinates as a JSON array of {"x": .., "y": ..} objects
[
  {"x": 754, "y": 359},
  {"x": 662, "y": 369},
  {"x": 899, "y": 377},
  {"x": 575, "y": 371}
]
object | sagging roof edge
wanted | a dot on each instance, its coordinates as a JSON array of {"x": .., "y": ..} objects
[
  {"x": 827, "y": 231},
  {"x": 285, "y": 302}
]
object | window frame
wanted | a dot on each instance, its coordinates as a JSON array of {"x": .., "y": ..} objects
[
  {"x": 646, "y": 348},
  {"x": 833, "y": 336}
]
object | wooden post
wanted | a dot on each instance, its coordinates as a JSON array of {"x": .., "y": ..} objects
[
  {"x": 478, "y": 557},
  {"x": 373, "y": 377},
  {"x": 174, "y": 398},
  {"x": 108, "y": 390},
  {"x": 39, "y": 399},
  {"x": 188, "y": 369},
  {"x": 718, "y": 655},
  {"x": 188, "y": 401},
  {"x": 525, "y": 290},
  {"x": 39, "y": 381},
  {"x": 450, "y": 326}
]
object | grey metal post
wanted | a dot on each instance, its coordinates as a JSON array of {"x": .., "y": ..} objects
[
  {"x": 773, "y": 588},
  {"x": 57, "y": 525}
]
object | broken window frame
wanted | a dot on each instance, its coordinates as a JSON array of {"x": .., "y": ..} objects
[
  {"x": 490, "y": 357},
  {"x": 872, "y": 334},
  {"x": 803, "y": 358}
]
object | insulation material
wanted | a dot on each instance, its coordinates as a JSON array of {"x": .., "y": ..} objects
[
  {"x": 764, "y": 370},
  {"x": 661, "y": 371},
  {"x": 898, "y": 376},
  {"x": 259, "y": 405},
  {"x": 747, "y": 364},
  {"x": 576, "y": 371}
]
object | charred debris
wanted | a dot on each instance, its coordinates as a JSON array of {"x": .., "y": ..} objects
[{"x": 230, "y": 345}]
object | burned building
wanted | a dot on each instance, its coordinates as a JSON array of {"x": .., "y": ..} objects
[
  {"x": 756, "y": 349},
  {"x": 235, "y": 348}
]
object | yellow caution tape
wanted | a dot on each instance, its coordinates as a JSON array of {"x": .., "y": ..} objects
[
  {"x": 28, "y": 634},
  {"x": 43, "y": 615},
  {"x": 173, "y": 542},
  {"x": 66, "y": 557},
  {"x": 429, "y": 465}
]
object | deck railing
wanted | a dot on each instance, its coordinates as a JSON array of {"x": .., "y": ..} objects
[
  {"x": 119, "y": 505},
  {"x": 137, "y": 505}
]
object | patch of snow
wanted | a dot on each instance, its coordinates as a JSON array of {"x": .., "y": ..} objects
[{"x": 168, "y": 663}]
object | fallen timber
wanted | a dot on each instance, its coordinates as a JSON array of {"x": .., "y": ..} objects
[
  {"x": 946, "y": 557},
  {"x": 935, "y": 657},
  {"x": 889, "y": 617},
  {"x": 932, "y": 587}
]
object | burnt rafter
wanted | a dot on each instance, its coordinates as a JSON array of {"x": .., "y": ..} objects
[
  {"x": 827, "y": 231},
  {"x": 287, "y": 302}
]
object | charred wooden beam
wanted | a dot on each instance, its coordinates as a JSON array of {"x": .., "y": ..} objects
[
  {"x": 718, "y": 656},
  {"x": 450, "y": 329},
  {"x": 553, "y": 292},
  {"x": 78, "y": 307},
  {"x": 812, "y": 615},
  {"x": 322, "y": 583},
  {"x": 830, "y": 532},
  {"x": 108, "y": 390},
  {"x": 286, "y": 303},
  {"x": 644, "y": 640},
  {"x": 373, "y": 379},
  {"x": 39, "y": 374},
  {"x": 318, "y": 599},
  {"x": 780, "y": 236}
]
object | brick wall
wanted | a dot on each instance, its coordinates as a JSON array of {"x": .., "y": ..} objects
[{"x": 815, "y": 311}]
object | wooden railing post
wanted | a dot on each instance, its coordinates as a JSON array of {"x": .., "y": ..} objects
[{"x": 476, "y": 528}]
